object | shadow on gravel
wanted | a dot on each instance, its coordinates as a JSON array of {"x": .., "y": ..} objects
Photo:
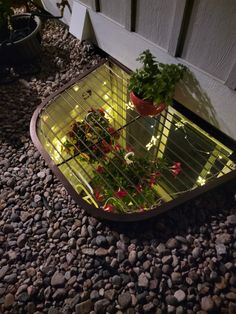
[
  {"x": 183, "y": 219},
  {"x": 17, "y": 103}
]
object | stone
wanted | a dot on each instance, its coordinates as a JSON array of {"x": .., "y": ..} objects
[
  {"x": 143, "y": 281},
  {"x": 37, "y": 198},
  {"x": 196, "y": 252},
  {"x": 59, "y": 294},
  {"x": 21, "y": 240},
  {"x": 101, "y": 241},
  {"x": 176, "y": 277},
  {"x": 171, "y": 300},
  {"x": 84, "y": 307},
  {"x": 3, "y": 271},
  {"x": 207, "y": 304},
  {"x": 231, "y": 296},
  {"x": 7, "y": 228},
  {"x": 224, "y": 238},
  {"x": 132, "y": 258},
  {"x": 167, "y": 259},
  {"x": 9, "y": 300},
  {"x": 100, "y": 306},
  {"x": 88, "y": 251},
  {"x": 58, "y": 280},
  {"x": 116, "y": 280},
  {"x": 231, "y": 220},
  {"x": 124, "y": 300},
  {"x": 101, "y": 252},
  {"x": 180, "y": 295},
  {"x": 110, "y": 294},
  {"x": 12, "y": 278},
  {"x": 172, "y": 244},
  {"x": 220, "y": 249},
  {"x": 148, "y": 307},
  {"x": 23, "y": 297},
  {"x": 75, "y": 300},
  {"x": 53, "y": 310},
  {"x": 56, "y": 234},
  {"x": 94, "y": 295},
  {"x": 161, "y": 248}
]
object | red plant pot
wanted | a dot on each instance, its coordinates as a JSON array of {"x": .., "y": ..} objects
[{"x": 145, "y": 107}]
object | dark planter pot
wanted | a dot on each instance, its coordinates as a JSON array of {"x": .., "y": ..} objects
[
  {"x": 26, "y": 45},
  {"x": 145, "y": 107}
]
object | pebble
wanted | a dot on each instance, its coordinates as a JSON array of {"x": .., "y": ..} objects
[
  {"x": 9, "y": 300},
  {"x": 101, "y": 241},
  {"x": 124, "y": 300},
  {"x": 132, "y": 257},
  {"x": 84, "y": 307},
  {"x": 207, "y": 304},
  {"x": 101, "y": 305},
  {"x": 58, "y": 280},
  {"x": 180, "y": 295},
  {"x": 143, "y": 280}
]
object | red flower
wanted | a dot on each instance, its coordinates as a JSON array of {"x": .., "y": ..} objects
[
  {"x": 139, "y": 188},
  {"x": 106, "y": 148},
  {"x": 152, "y": 181},
  {"x": 100, "y": 169},
  {"x": 176, "y": 168},
  {"x": 111, "y": 130},
  {"x": 98, "y": 196},
  {"x": 121, "y": 193},
  {"x": 108, "y": 208},
  {"x": 117, "y": 147},
  {"x": 153, "y": 178}
]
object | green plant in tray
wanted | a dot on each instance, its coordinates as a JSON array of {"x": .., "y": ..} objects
[{"x": 155, "y": 81}]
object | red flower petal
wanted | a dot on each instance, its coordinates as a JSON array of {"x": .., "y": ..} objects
[
  {"x": 108, "y": 208},
  {"x": 98, "y": 196},
  {"x": 121, "y": 193},
  {"x": 100, "y": 169},
  {"x": 176, "y": 168}
]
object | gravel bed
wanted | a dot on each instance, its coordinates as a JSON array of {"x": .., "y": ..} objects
[{"x": 54, "y": 258}]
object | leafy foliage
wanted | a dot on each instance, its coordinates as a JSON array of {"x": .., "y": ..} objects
[
  {"x": 92, "y": 137},
  {"x": 127, "y": 183},
  {"x": 155, "y": 81}
]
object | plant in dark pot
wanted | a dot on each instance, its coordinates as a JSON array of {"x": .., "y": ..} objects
[
  {"x": 153, "y": 86},
  {"x": 19, "y": 34}
]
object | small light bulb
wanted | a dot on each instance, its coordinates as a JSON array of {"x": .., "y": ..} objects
[
  {"x": 106, "y": 97},
  {"x": 220, "y": 157},
  {"x": 104, "y": 83},
  {"x": 76, "y": 88}
]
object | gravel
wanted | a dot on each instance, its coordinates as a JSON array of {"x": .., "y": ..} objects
[{"x": 56, "y": 259}]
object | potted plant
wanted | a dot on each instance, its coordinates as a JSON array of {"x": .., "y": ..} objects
[
  {"x": 152, "y": 87},
  {"x": 19, "y": 34}
]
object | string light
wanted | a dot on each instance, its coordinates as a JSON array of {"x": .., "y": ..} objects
[
  {"x": 201, "y": 181},
  {"x": 106, "y": 97},
  {"x": 76, "y": 88},
  {"x": 130, "y": 105},
  {"x": 104, "y": 83}
]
